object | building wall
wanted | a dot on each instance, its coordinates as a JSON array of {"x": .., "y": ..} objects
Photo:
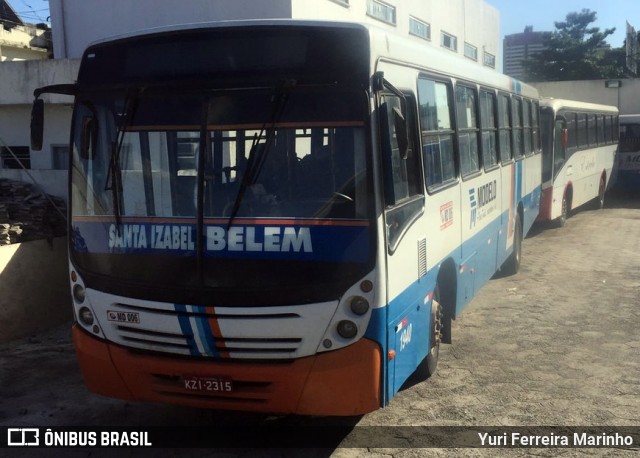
[
  {"x": 77, "y": 23},
  {"x": 17, "y": 83},
  {"x": 626, "y": 97},
  {"x": 22, "y": 43},
  {"x": 520, "y": 46}
]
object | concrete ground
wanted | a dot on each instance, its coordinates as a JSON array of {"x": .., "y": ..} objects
[{"x": 556, "y": 344}]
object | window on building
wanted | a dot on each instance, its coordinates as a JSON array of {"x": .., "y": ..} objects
[
  {"x": 60, "y": 157},
  {"x": 19, "y": 159},
  {"x": 489, "y": 60},
  {"x": 449, "y": 41},
  {"x": 341, "y": 2},
  {"x": 419, "y": 28},
  {"x": 470, "y": 51},
  {"x": 381, "y": 11}
]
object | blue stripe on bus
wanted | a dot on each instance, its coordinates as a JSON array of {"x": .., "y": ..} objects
[
  {"x": 204, "y": 329},
  {"x": 185, "y": 327},
  {"x": 411, "y": 304}
]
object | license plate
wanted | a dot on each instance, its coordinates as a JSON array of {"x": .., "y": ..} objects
[
  {"x": 123, "y": 317},
  {"x": 208, "y": 384}
]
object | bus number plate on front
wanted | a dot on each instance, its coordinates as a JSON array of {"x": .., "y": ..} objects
[
  {"x": 123, "y": 317},
  {"x": 209, "y": 384}
]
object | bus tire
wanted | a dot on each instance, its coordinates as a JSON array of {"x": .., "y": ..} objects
[
  {"x": 512, "y": 264},
  {"x": 429, "y": 364},
  {"x": 564, "y": 213},
  {"x": 598, "y": 202}
]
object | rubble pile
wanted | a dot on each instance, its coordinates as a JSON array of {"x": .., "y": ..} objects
[{"x": 26, "y": 214}]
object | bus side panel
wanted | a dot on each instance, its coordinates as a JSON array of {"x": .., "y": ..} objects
[
  {"x": 412, "y": 276},
  {"x": 532, "y": 191},
  {"x": 481, "y": 220}
]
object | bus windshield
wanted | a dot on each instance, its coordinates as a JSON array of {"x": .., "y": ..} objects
[
  {"x": 215, "y": 188},
  {"x": 629, "y": 137}
]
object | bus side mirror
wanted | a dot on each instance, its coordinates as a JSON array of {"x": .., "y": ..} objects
[
  {"x": 400, "y": 126},
  {"x": 37, "y": 124}
]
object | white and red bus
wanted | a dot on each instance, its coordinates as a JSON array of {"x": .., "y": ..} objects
[
  {"x": 579, "y": 143},
  {"x": 285, "y": 216}
]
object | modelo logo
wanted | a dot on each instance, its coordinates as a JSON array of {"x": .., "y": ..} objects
[{"x": 487, "y": 193}]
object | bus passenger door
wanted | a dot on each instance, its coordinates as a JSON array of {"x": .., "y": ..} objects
[{"x": 407, "y": 315}]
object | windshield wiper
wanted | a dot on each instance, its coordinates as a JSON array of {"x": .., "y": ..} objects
[
  {"x": 114, "y": 173},
  {"x": 259, "y": 151}
]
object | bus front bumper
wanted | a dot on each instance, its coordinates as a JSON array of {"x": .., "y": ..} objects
[{"x": 340, "y": 382}]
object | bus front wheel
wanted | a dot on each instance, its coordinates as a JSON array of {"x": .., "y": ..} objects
[{"x": 435, "y": 335}]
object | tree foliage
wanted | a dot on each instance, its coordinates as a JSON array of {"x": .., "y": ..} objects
[{"x": 576, "y": 51}]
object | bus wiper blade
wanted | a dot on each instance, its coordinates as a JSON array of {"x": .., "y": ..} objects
[
  {"x": 257, "y": 154},
  {"x": 114, "y": 174}
]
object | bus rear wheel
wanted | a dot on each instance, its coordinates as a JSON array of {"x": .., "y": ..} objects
[
  {"x": 564, "y": 212},
  {"x": 512, "y": 264},
  {"x": 598, "y": 203}
]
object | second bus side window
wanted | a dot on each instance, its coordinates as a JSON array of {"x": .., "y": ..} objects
[
  {"x": 489, "y": 131},
  {"x": 467, "y": 130},
  {"x": 435, "y": 107},
  {"x": 504, "y": 123}
]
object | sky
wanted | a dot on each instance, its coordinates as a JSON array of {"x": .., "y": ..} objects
[
  {"x": 542, "y": 14},
  {"x": 514, "y": 14},
  {"x": 31, "y": 11}
]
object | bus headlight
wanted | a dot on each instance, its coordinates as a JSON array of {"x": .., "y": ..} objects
[
  {"x": 347, "y": 329},
  {"x": 86, "y": 316},
  {"x": 79, "y": 293},
  {"x": 359, "y": 305}
]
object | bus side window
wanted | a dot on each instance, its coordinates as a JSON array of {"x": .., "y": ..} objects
[
  {"x": 436, "y": 112},
  {"x": 572, "y": 129},
  {"x": 489, "y": 129},
  {"x": 518, "y": 137},
  {"x": 560, "y": 144},
  {"x": 582, "y": 130},
  {"x": 404, "y": 195},
  {"x": 535, "y": 126},
  {"x": 504, "y": 123},
  {"x": 526, "y": 131},
  {"x": 466, "y": 104},
  {"x": 591, "y": 129}
]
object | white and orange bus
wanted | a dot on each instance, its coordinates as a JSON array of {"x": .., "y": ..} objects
[
  {"x": 579, "y": 143},
  {"x": 285, "y": 216}
]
